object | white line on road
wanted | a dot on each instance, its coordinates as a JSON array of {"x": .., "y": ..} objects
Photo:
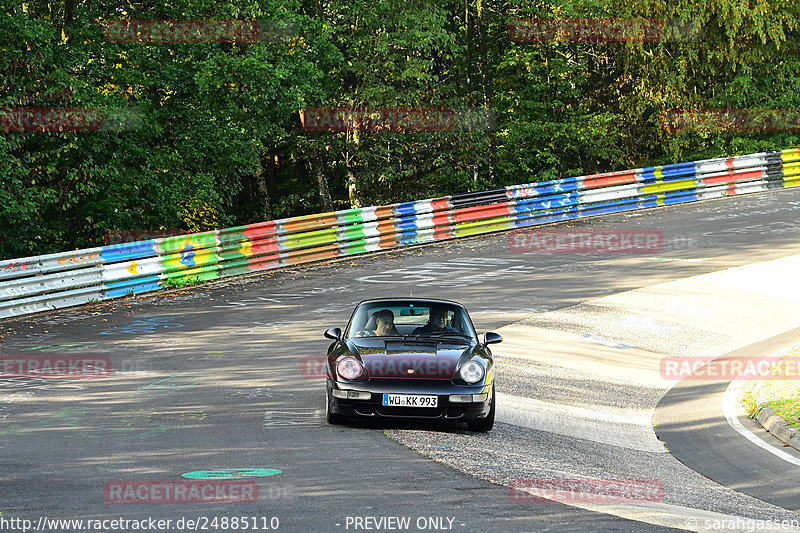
[
  {"x": 729, "y": 408},
  {"x": 632, "y": 427}
]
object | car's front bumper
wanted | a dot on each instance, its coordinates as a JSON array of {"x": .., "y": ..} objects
[{"x": 373, "y": 407}]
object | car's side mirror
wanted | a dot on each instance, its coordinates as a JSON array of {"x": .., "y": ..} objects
[
  {"x": 333, "y": 334},
  {"x": 492, "y": 338}
]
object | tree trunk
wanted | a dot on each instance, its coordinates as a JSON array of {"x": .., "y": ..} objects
[
  {"x": 467, "y": 24},
  {"x": 353, "y": 136},
  {"x": 263, "y": 191},
  {"x": 487, "y": 97},
  {"x": 69, "y": 10},
  {"x": 318, "y": 170},
  {"x": 352, "y": 189}
]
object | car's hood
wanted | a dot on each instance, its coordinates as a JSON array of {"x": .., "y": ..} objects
[{"x": 399, "y": 359}]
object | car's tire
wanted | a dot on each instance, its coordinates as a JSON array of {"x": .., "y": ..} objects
[
  {"x": 484, "y": 424},
  {"x": 331, "y": 417}
]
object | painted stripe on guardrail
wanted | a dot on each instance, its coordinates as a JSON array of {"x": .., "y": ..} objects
[{"x": 53, "y": 281}]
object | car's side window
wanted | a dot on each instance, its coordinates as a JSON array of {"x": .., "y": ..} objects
[
  {"x": 359, "y": 323},
  {"x": 457, "y": 322}
]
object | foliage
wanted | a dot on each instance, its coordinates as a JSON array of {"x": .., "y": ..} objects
[
  {"x": 180, "y": 283},
  {"x": 197, "y": 135},
  {"x": 781, "y": 394}
]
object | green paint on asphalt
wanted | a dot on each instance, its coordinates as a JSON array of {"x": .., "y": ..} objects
[{"x": 232, "y": 473}]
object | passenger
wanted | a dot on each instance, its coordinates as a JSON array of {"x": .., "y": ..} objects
[
  {"x": 384, "y": 325},
  {"x": 438, "y": 323}
]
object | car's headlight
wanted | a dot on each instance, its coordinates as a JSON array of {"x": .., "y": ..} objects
[
  {"x": 471, "y": 372},
  {"x": 349, "y": 368}
]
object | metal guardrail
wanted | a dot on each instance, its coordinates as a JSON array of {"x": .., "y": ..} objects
[{"x": 46, "y": 282}]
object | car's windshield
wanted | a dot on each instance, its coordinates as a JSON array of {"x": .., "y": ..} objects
[{"x": 394, "y": 319}]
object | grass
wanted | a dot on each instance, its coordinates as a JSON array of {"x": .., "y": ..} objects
[
  {"x": 789, "y": 410},
  {"x": 783, "y": 395},
  {"x": 180, "y": 283}
]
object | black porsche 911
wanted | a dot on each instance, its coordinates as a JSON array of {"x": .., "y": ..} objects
[{"x": 410, "y": 358}]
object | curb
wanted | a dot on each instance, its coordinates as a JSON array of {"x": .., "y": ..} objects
[{"x": 777, "y": 426}]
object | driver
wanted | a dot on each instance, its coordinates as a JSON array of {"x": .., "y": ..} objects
[{"x": 438, "y": 323}]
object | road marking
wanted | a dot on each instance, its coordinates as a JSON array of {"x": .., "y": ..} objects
[
  {"x": 292, "y": 417},
  {"x": 232, "y": 473},
  {"x": 679, "y": 517},
  {"x": 633, "y": 428},
  {"x": 729, "y": 408}
]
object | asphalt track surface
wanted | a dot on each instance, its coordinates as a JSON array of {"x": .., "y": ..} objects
[
  {"x": 717, "y": 450},
  {"x": 210, "y": 378}
]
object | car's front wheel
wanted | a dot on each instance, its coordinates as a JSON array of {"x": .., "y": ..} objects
[
  {"x": 330, "y": 416},
  {"x": 484, "y": 424}
]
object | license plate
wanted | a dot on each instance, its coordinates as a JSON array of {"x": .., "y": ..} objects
[{"x": 408, "y": 400}]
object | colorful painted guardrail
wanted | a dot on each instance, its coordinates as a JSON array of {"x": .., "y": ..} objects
[{"x": 41, "y": 283}]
